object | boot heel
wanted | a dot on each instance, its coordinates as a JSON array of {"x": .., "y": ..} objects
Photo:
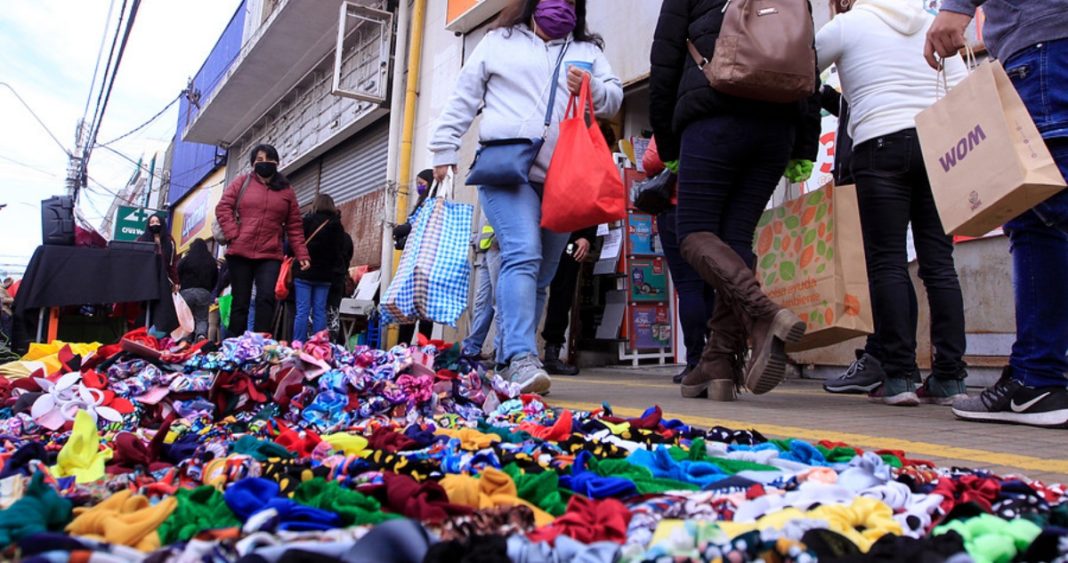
[
  {"x": 788, "y": 327},
  {"x": 722, "y": 390}
]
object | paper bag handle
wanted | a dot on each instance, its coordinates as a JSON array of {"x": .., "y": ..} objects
[{"x": 943, "y": 81}]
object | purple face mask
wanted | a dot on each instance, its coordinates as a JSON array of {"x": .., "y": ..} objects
[
  {"x": 555, "y": 18},
  {"x": 421, "y": 188}
]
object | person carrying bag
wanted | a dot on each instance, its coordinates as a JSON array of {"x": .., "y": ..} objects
[{"x": 518, "y": 77}]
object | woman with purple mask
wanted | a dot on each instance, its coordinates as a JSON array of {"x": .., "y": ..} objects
[{"x": 509, "y": 76}]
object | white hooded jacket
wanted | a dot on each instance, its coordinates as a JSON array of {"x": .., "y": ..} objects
[
  {"x": 507, "y": 76},
  {"x": 878, "y": 49}
]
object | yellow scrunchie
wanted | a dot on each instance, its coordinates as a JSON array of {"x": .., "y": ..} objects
[{"x": 81, "y": 456}]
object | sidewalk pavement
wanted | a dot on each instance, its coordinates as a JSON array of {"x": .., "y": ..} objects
[{"x": 801, "y": 409}]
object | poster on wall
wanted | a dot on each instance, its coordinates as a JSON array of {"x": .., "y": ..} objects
[
  {"x": 194, "y": 215},
  {"x": 648, "y": 279},
  {"x": 650, "y": 326}
]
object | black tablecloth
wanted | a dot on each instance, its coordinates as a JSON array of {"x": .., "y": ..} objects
[{"x": 58, "y": 276}]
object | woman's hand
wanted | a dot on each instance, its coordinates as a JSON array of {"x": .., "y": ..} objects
[
  {"x": 440, "y": 172},
  {"x": 582, "y": 249},
  {"x": 574, "y": 79},
  {"x": 305, "y": 265}
]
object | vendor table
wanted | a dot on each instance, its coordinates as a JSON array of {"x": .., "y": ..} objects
[{"x": 59, "y": 276}]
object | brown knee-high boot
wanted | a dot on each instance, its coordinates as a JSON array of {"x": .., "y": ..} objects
[
  {"x": 769, "y": 326},
  {"x": 720, "y": 370}
]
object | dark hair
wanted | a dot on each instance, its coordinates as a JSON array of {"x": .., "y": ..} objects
[
  {"x": 324, "y": 204},
  {"x": 426, "y": 175},
  {"x": 278, "y": 181},
  {"x": 166, "y": 243},
  {"x": 520, "y": 12}
]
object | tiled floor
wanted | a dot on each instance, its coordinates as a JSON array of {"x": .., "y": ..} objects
[{"x": 800, "y": 408}]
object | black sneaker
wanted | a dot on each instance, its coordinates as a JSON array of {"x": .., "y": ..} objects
[
  {"x": 864, "y": 375},
  {"x": 1010, "y": 401}
]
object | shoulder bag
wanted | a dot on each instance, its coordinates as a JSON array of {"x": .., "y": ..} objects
[
  {"x": 285, "y": 272},
  {"x": 507, "y": 162}
]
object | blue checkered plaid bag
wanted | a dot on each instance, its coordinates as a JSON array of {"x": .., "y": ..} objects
[{"x": 434, "y": 272}]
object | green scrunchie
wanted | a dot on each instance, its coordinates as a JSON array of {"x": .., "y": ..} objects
[
  {"x": 672, "y": 165},
  {"x": 798, "y": 170},
  {"x": 202, "y": 508},
  {"x": 260, "y": 450},
  {"x": 540, "y": 489},
  {"x": 989, "y": 539},
  {"x": 40, "y": 509},
  {"x": 354, "y": 508}
]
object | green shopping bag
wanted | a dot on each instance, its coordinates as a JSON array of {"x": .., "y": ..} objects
[{"x": 225, "y": 302}]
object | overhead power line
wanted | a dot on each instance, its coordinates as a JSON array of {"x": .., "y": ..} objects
[
  {"x": 145, "y": 124},
  {"x": 99, "y": 115},
  {"x": 99, "y": 55},
  {"x": 35, "y": 116}
]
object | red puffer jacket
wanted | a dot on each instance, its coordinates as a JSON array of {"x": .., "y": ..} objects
[{"x": 264, "y": 213}]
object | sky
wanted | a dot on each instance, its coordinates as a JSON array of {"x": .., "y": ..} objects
[{"x": 47, "y": 53}]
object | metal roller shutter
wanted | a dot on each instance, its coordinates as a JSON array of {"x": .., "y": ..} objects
[
  {"x": 306, "y": 182},
  {"x": 357, "y": 166}
]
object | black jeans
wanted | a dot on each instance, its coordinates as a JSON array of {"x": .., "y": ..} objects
[
  {"x": 728, "y": 168},
  {"x": 696, "y": 298},
  {"x": 561, "y": 295},
  {"x": 893, "y": 190},
  {"x": 243, "y": 273}
]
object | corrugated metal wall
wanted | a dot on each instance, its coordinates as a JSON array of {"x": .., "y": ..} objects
[
  {"x": 357, "y": 166},
  {"x": 306, "y": 182}
]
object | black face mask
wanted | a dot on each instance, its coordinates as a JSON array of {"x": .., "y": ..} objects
[
  {"x": 266, "y": 169},
  {"x": 155, "y": 229}
]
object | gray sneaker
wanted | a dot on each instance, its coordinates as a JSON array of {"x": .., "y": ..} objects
[
  {"x": 942, "y": 391},
  {"x": 864, "y": 375},
  {"x": 897, "y": 392},
  {"x": 529, "y": 374}
]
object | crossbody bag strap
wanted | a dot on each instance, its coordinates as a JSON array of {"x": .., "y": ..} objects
[
  {"x": 696, "y": 55},
  {"x": 553, "y": 87},
  {"x": 240, "y": 194},
  {"x": 307, "y": 240}
]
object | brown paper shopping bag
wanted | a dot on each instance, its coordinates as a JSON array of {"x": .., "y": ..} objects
[
  {"x": 985, "y": 158},
  {"x": 810, "y": 258}
]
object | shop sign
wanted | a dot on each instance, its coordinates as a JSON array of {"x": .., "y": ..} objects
[{"x": 130, "y": 222}]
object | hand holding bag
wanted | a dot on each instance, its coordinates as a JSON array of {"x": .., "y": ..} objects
[
  {"x": 507, "y": 162},
  {"x": 285, "y": 272},
  {"x": 434, "y": 271},
  {"x": 583, "y": 187}
]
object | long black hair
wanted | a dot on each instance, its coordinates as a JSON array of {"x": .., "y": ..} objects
[
  {"x": 278, "y": 181},
  {"x": 198, "y": 257},
  {"x": 166, "y": 243},
  {"x": 520, "y": 12}
]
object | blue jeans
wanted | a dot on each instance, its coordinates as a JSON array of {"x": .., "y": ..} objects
[
  {"x": 529, "y": 257},
  {"x": 311, "y": 300},
  {"x": 484, "y": 304},
  {"x": 1039, "y": 238},
  {"x": 696, "y": 298}
]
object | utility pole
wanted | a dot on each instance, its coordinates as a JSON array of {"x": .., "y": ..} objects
[{"x": 74, "y": 164}]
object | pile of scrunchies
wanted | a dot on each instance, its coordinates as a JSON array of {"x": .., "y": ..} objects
[{"x": 256, "y": 451}]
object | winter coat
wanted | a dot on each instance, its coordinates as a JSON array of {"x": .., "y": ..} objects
[
  {"x": 200, "y": 272},
  {"x": 265, "y": 214},
  {"x": 326, "y": 249},
  {"x": 680, "y": 94}
]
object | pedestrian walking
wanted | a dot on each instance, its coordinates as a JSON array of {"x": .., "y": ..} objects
[
  {"x": 423, "y": 180},
  {"x": 254, "y": 227},
  {"x": 730, "y": 152},
  {"x": 509, "y": 77},
  {"x": 325, "y": 240},
  {"x": 198, "y": 273},
  {"x": 487, "y": 266},
  {"x": 876, "y": 46},
  {"x": 1032, "y": 44},
  {"x": 561, "y": 296}
]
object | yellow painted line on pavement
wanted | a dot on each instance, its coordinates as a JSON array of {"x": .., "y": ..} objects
[
  {"x": 669, "y": 385},
  {"x": 910, "y": 447}
]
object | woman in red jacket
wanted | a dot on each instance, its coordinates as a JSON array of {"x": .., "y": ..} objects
[{"x": 253, "y": 223}]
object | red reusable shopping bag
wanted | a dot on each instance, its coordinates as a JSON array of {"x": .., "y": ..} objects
[
  {"x": 285, "y": 279},
  {"x": 583, "y": 187}
]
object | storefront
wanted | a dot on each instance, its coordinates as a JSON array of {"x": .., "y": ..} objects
[{"x": 193, "y": 215}]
